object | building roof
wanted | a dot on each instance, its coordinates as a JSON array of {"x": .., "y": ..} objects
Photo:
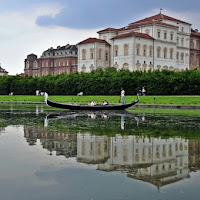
[
  {"x": 160, "y": 16},
  {"x": 108, "y": 30},
  {"x": 135, "y": 34},
  {"x": 3, "y": 70},
  {"x": 136, "y": 25},
  {"x": 92, "y": 40},
  {"x": 197, "y": 34}
]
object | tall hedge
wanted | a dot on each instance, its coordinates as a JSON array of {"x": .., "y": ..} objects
[{"x": 106, "y": 82}]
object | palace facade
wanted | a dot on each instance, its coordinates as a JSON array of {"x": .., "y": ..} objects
[
  {"x": 195, "y": 49},
  {"x": 157, "y": 42},
  {"x": 53, "y": 61}
]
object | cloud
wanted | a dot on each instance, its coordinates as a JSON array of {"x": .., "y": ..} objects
[{"x": 20, "y": 35}]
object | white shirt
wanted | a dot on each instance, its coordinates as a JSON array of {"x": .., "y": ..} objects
[
  {"x": 122, "y": 93},
  {"x": 92, "y": 103}
]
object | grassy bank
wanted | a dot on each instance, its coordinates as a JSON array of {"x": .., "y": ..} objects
[{"x": 173, "y": 100}]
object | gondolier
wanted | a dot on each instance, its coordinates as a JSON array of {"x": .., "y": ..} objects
[{"x": 122, "y": 96}]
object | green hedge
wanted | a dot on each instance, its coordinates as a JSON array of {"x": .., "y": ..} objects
[{"x": 106, "y": 82}]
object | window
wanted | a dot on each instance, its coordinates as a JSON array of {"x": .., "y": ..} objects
[
  {"x": 91, "y": 56},
  {"x": 171, "y": 36},
  {"x": 158, "y": 52},
  {"x": 165, "y": 52},
  {"x": 177, "y": 56},
  {"x": 138, "y": 49},
  {"x": 144, "y": 52},
  {"x": 106, "y": 56},
  {"x": 197, "y": 60},
  {"x": 191, "y": 44},
  {"x": 198, "y": 44},
  {"x": 27, "y": 64},
  {"x": 35, "y": 64},
  {"x": 100, "y": 54},
  {"x": 158, "y": 34},
  {"x": 171, "y": 53},
  {"x": 91, "y": 53},
  {"x": 165, "y": 36},
  {"x": 138, "y": 52},
  {"x": 150, "y": 51},
  {"x": 83, "y": 54},
  {"x": 182, "y": 29},
  {"x": 126, "y": 49},
  {"x": 182, "y": 57},
  {"x": 182, "y": 41},
  {"x": 116, "y": 48}
]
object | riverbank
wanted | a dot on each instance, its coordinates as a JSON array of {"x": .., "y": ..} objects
[{"x": 144, "y": 100}]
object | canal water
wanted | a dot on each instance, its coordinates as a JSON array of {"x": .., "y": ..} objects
[{"x": 50, "y": 154}]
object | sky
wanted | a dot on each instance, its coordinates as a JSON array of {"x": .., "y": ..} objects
[{"x": 32, "y": 26}]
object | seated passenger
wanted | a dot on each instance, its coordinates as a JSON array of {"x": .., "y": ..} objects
[
  {"x": 93, "y": 103},
  {"x": 105, "y": 103}
]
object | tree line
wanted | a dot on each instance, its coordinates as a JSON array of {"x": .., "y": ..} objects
[{"x": 108, "y": 82}]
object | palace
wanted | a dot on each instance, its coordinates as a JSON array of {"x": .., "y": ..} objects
[
  {"x": 157, "y": 42},
  {"x": 53, "y": 61},
  {"x": 3, "y": 72}
]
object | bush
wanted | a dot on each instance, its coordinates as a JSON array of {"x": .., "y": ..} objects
[{"x": 108, "y": 82}]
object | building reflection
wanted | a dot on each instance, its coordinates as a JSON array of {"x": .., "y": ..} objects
[{"x": 155, "y": 160}]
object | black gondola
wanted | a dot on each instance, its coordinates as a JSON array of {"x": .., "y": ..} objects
[{"x": 74, "y": 106}]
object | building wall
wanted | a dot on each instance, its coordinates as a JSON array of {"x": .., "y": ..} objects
[
  {"x": 93, "y": 62},
  {"x": 52, "y": 61},
  {"x": 194, "y": 52}
]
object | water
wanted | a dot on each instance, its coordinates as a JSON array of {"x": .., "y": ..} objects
[{"x": 49, "y": 154}]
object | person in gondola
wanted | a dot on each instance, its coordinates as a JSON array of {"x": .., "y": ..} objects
[
  {"x": 93, "y": 103},
  {"x": 104, "y": 103},
  {"x": 122, "y": 96}
]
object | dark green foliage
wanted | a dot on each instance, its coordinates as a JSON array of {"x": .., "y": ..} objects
[{"x": 108, "y": 82}]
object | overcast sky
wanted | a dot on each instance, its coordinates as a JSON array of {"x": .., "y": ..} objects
[{"x": 32, "y": 26}]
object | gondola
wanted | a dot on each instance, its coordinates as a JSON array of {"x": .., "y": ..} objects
[{"x": 74, "y": 106}]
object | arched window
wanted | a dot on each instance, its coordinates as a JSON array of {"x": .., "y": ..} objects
[
  {"x": 116, "y": 49},
  {"x": 126, "y": 49},
  {"x": 182, "y": 57},
  {"x": 138, "y": 49},
  {"x": 158, "y": 52},
  {"x": 35, "y": 64},
  {"x": 83, "y": 54},
  {"x": 171, "y": 53},
  {"x": 165, "y": 53},
  {"x": 150, "y": 51},
  {"x": 144, "y": 50},
  {"x": 27, "y": 64},
  {"x": 91, "y": 53}
]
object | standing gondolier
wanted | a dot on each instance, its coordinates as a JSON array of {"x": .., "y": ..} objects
[{"x": 122, "y": 96}]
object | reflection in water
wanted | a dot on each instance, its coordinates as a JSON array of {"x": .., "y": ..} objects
[{"x": 154, "y": 160}]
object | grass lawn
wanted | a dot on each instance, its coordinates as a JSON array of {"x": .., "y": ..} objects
[{"x": 177, "y": 100}]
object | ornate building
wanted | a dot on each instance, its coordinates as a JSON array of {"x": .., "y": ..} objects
[
  {"x": 195, "y": 49},
  {"x": 3, "y": 72},
  {"x": 53, "y": 61},
  {"x": 156, "y": 42}
]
